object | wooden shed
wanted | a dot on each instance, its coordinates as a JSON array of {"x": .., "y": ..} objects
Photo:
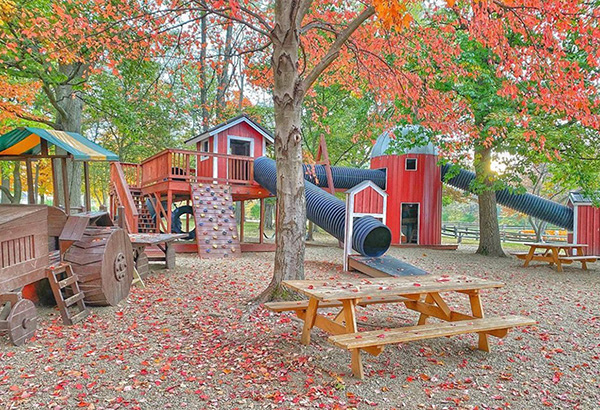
[{"x": 586, "y": 222}]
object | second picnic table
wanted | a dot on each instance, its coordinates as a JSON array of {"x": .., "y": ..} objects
[
  {"x": 556, "y": 253},
  {"x": 422, "y": 294},
  {"x": 163, "y": 241}
]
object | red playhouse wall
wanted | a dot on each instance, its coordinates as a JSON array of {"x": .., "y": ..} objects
[
  {"x": 368, "y": 201},
  {"x": 240, "y": 130},
  {"x": 422, "y": 186},
  {"x": 587, "y": 220}
]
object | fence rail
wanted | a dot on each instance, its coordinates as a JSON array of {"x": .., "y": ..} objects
[{"x": 472, "y": 232}]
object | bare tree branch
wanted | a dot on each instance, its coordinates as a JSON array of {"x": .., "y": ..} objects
[{"x": 334, "y": 50}]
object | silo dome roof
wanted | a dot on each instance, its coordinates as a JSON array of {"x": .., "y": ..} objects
[{"x": 407, "y": 132}]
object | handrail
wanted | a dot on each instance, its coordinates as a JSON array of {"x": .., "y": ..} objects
[
  {"x": 188, "y": 165},
  {"x": 121, "y": 187}
]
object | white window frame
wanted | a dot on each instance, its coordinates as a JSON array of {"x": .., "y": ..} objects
[
  {"x": 406, "y": 164},
  {"x": 418, "y": 204},
  {"x": 246, "y": 139},
  {"x": 202, "y": 149}
]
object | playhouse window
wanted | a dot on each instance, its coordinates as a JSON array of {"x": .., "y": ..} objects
[
  {"x": 205, "y": 146},
  {"x": 239, "y": 147},
  {"x": 411, "y": 164}
]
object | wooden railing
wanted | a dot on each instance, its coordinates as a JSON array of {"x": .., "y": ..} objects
[
  {"x": 192, "y": 166},
  {"x": 121, "y": 188},
  {"x": 133, "y": 174}
]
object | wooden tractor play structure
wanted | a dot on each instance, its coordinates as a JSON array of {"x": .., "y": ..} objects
[{"x": 87, "y": 260}]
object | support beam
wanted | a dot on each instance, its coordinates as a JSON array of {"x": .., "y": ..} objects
[
  {"x": 242, "y": 218},
  {"x": 88, "y": 196},
  {"x": 65, "y": 180},
  {"x": 30, "y": 191},
  {"x": 55, "y": 198},
  {"x": 261, "y": 226}
]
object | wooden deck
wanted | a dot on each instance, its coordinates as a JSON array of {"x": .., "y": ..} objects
[{"x": 173, "y": 170}]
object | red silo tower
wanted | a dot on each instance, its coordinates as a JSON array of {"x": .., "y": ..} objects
[{"x": 414, "y": 187}]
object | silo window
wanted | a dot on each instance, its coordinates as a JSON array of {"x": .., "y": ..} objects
[{"x": 411, "y": 164}]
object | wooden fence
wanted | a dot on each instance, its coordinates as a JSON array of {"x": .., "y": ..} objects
[{"x": 515, "y": 234}]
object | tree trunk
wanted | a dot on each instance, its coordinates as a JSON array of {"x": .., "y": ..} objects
[
  {"x": 489, "y": 230},
  {"x": 224, "y": 76},
  {"x": 18, "y": 186},
  {"x": 311, "y": 230},
  {"x": 204, "y": 88},
  {"x": 69, "y": 119},
  {"x": 269, "y": 209},
  {"x": 6, "y": 199},
  {"x": 288, "y": 95}
]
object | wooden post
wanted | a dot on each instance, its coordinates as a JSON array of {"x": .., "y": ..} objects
[
  {"x": 121, "y": 217},
  {"x": 261, "y": 226},
  {"x": 55, "y": 199},
  {"x": 88, "y": 196},
  {"x": 168, "y": 210},
  {"x": 65, "y": 180},
  {"x": 30, "y": 191},
  {"x": 44, "y": 146},
  {"x": 242, "y": 218}
]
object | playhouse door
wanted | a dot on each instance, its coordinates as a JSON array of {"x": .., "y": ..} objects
[{"x": 410, "y": 222}]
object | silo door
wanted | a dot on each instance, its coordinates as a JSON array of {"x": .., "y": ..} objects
[{"x": 410, "y": 223}]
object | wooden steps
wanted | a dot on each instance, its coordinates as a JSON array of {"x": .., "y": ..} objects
[
  {"x": 303, "y": 304},
  {"x": 72, "y": 308},
  {"x": 494, "y": 326},
  {"x": 214, "y": 215}
]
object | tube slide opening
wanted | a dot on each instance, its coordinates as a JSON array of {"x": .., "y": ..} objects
[{"x": 377, "y": 242}]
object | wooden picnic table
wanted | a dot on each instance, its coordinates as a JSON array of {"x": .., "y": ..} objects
[
  {"x": 556, "y": 253},
  {"x": 163, "y": 241},
  {"x": 422, "y": 294}
]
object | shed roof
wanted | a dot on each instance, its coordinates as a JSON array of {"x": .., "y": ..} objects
[
  {"x": 231, "y": 123},
  {"x": 27, "y": 141},
  {"x": 579, "y": 198},
  {"x": 406, "y": 131}
]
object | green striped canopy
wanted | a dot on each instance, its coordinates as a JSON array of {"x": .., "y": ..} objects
[{"x": 26, "y": 141}]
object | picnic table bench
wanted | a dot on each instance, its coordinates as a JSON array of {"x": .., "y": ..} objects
[
  {"x": 556, "y": 254},
  {"x": 162, "y": 241},
  {"x": 422, "y": 294}
]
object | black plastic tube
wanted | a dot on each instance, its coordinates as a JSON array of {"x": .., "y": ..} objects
[
  {"x": 370, "y": 237},
  {"x": 528, "y": 204},
  {"x": 343, "y": 178}
]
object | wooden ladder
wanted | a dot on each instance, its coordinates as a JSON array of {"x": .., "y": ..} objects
[{"x": 61, "y": 276}]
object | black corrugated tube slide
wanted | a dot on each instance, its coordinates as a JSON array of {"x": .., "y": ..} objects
[
  {"x": 370, "y": 237},
  {"x": 343, "y": 178},
  {"x": 528, "y": 204}
]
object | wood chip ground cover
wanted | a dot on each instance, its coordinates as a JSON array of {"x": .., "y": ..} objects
[{"x": 184, "y": 342}]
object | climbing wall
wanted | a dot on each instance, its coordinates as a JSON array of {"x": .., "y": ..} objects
[{"x": 214, "y": 214}]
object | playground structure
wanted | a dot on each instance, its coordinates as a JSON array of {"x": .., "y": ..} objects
[
  {"x": 157, "y": 194},
  {"x": 230, "y": 157},
  {"x": 86, "y": 259}
]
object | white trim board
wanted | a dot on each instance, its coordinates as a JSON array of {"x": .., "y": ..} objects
[{"x": 227, "y": 126}]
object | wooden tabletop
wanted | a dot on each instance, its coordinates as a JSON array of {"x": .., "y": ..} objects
[
  {"x": 405, "y": 285},
  {"x": 154, "y": 238},
  {"x": 555, "y": 245}
]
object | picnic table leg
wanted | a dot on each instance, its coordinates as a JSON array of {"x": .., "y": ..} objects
[
  {"x": 423, "y": 317},
  {"x": 556, "y": 260},
  {"x": 309, "y": 320},
  {"x": 580, "y": 252},
  {"x": 529, "y": 257},
  {"x": 169, "y": 256},
  {"x": 350, "y": 316},
  {"x": 477, "y": 309}
]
